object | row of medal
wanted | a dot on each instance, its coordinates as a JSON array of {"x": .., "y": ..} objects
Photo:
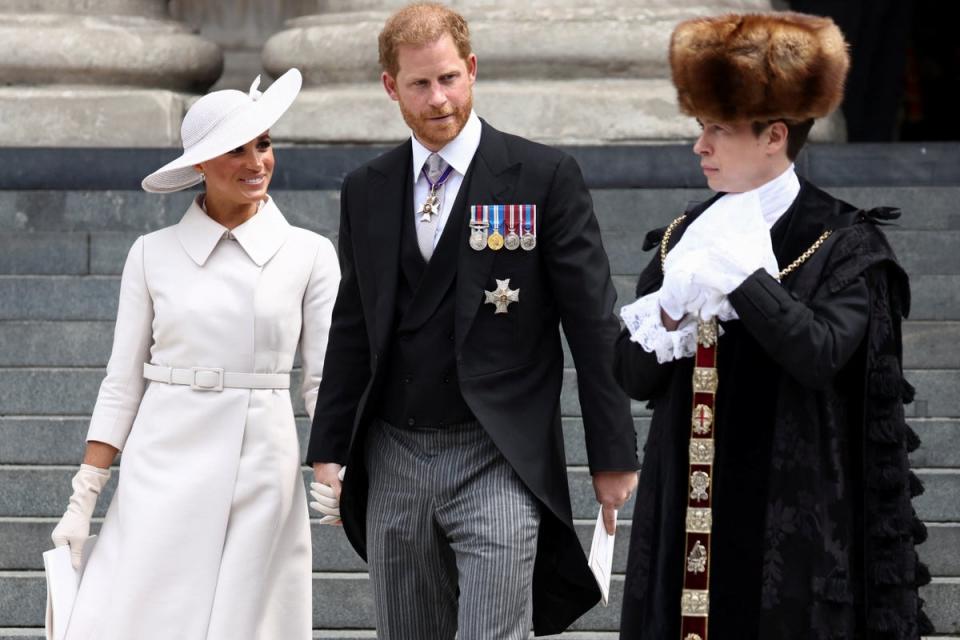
[{"x": 496, "y": 226}]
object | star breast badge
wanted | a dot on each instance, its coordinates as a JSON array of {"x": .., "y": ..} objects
[{"x": 503, "y": 296}]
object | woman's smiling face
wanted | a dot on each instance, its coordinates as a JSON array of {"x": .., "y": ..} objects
[{"x": 240, "y": 176}]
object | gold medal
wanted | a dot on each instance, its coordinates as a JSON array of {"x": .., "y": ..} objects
[{"x": 495, "y": 241}]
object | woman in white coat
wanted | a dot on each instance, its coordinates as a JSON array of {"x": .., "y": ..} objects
[{"x": 207, "y": 536}]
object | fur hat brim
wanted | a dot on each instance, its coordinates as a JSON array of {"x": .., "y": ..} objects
[{"x": 759, "y": 67}]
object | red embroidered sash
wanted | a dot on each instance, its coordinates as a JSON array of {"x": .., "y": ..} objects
[{"x": 695, "y": 603}]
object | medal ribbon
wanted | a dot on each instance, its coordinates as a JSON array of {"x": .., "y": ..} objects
[
  {"x": 434, "y": 186},
  {"x": 695, "y": 600},
  {"x": 530, "y": 218},
  {"x": 496, "y": 220}
]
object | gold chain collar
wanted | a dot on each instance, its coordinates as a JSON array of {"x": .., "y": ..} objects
[{"x": 790, "y": 268}]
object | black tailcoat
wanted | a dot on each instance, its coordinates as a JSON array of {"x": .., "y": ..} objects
[
  {"x": 509, "y": 366},
  {"x": 813, "y": 531}
]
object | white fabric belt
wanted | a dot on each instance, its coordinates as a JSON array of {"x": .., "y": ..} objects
[{"x": 213, "y": 379}]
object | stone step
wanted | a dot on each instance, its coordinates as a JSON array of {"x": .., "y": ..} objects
[
  {"x": 637, "y": 210},
  {"x": 370, "y": 634},
  {"x": 24, "y": 539},
  {"x": 344, "y": 601},
  {"x": 935, "y": 297},
  {"x": 79, "y": 343},
  {"x": 354, "y": 634},
  {"x": 59, "y": 440},
  {"x": 42, "y": 491},
  {"x": 926, "y": 252},
  {"x": 57, "y": 391},
  {"x": 72, "y": 392}
]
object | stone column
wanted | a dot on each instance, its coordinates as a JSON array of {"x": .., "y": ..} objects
[
  {"x": 98, "y": 72},
  {"x": 557, "y": 71}
]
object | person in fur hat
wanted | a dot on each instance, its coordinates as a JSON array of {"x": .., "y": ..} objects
[{"x": 775, "y": 494}]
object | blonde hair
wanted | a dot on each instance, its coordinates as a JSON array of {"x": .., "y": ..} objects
[{"x": 419, "y": 24}]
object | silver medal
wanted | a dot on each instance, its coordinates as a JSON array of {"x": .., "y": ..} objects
[
  {"x": 478, "y": 240},
  {"x": 528, "y": 242}
]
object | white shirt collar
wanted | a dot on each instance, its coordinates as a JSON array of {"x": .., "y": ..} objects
[
  {"x": 777, "y": 195},
  {"x": 458, "y": 153},
  {"x": 260, "y": 237}
]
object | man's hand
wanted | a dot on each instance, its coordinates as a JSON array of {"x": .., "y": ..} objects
[
  {"x": 613, "y": 488},
  {"x": 325, "y": 491}
]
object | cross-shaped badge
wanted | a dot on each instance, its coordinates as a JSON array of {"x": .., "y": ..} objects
[{"x": 502, "y": 296}]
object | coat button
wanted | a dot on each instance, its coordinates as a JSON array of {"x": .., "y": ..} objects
[
  {"x": 411, "y": 422},
  {"x": 407, "y": 379}
]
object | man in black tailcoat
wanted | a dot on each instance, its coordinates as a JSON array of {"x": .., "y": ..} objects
[{"x": 462, "y": 251}]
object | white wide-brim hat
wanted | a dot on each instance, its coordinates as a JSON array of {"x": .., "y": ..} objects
[{"x": 219, "y": 122}]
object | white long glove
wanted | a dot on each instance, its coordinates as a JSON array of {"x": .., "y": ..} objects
[
  {"x": 74, "y": 527},
  {"x": 325, "y": 501},
  {"x": 718, "y": 251},
  {"x": 684, "y": 293}
]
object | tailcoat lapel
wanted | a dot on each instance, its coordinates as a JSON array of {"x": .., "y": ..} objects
[
  {"x": 387, "y": 203},
  {"x": 493, "y": 181}
]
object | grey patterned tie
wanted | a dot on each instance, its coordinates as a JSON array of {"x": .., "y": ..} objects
[{"x": 433, "y": 169}]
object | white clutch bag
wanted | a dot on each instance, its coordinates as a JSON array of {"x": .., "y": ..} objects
[{"x": 63, "y": 582}]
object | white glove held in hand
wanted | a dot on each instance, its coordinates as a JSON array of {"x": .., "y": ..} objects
[
  {"x": 74, "y": 527},
  {"x": 325, "y": 500}
]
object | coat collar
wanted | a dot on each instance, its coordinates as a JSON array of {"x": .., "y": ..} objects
[
  {"x": 260, "y": 237},
  {"x": 813, "y": 212}
]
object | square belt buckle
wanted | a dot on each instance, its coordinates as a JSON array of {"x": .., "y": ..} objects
[{"x": 207, "y": 379}]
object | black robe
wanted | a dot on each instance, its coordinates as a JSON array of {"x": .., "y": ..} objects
[{"x": 813, "y": 531}]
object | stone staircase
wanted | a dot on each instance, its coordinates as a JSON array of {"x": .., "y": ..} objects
[{"x": 63, "y": 238}]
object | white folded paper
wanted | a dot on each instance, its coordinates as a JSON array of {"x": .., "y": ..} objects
[
  {"x": 63, "y": 582},
  {"x": 601, "y": 555}
]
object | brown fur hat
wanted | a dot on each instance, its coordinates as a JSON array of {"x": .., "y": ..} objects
[{"x": 759, "y": 67}]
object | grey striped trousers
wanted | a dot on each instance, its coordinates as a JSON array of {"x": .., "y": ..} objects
[{"x": 451, "y": 536}]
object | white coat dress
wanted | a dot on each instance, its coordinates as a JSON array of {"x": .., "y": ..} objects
[{"x": 208, "y": 536}]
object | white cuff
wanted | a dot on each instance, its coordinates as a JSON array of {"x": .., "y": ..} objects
[{"x": 642, "y": 319}]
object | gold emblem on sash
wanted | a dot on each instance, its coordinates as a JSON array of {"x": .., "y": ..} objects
[
  {"x": 702, "y": 419},
  {"x": 701, "y": 451},
  {"x": 699, "y": 483},
  {"x": 705, "y": 380},
  {"x": 695, "y": 602},
  {"x": 707, "y": 333},
  {"x": 697, "y": 560},
  {"x": 699, "y": 520}
]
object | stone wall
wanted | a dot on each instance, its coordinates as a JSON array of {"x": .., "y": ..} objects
[{"x": 121, "y": 73}]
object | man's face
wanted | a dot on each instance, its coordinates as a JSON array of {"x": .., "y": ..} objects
[
  {"x": 434, "y": 88},
  {"x": 734, "y": 159}
]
